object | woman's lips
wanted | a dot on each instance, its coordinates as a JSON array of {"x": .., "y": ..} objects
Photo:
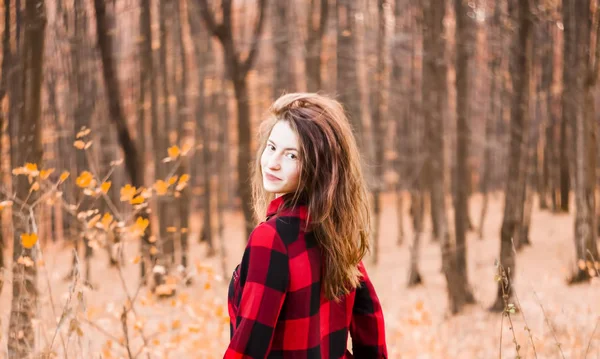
[{"x": 270, "y": 177}]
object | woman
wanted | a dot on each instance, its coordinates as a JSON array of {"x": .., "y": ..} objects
[{"x": 301, "y": 287}]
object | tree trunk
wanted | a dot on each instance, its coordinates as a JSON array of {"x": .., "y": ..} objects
[
  {"x": 347, "y": 66},
  {"x": 160, "y": 132},
  {"x": 494, "y": 42},
  {"x": 27, "y": 149},
  {"x": 464, "y": 46},
  {"x": 314, "y": 43},
  {"x": 281, "y": 31},
  {"x": 417, "y": 203},
  {"x": 6, "y": 65},
  {"x": 434, "y": 92},
  {"x": 379, "y": 118},
  {"x": 519, "y": 73},
  {"x": 203, "y": 52},
  {"x": 579, "y": 24},
  {"x": 186, "y": 133},
  {"x": 237, "y": 70},
  {"x": 133, "y": 160}
]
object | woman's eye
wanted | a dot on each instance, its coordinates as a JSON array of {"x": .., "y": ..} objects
[
  {"x": 271, "y": 147},
  {"x": 292, "y": 156}
]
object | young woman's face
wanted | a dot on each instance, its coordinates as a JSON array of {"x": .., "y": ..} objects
[{"x": 280, "y": 161}]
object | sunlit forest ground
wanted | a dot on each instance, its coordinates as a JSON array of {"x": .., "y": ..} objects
[{"x": 194, "y": 323}]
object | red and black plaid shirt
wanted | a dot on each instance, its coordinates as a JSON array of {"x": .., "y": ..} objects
[{"x": 277, "y": 308}]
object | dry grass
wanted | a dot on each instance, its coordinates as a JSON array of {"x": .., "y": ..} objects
[{"x": 194, "y": 323}]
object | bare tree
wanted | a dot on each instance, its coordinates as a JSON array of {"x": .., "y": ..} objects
[
  {"x": 6, "y": 65},
  {"x": 133, "y": 160},
  {"x": 464, "y": 48},
  {"x": 281, "y": 32},
  {"x": 583, "y": 27},
  {"x": 27, "y": 148},
  {"x": 379, "y": 94},
  {"x": 237, "y": 70},
  {"x": 519, "y": 12}
]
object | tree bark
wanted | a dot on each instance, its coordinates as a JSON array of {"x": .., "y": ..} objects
[
  {"x": 494, "y": 42},
  {"x": 434, "y": 92},
  {"x": 314, "y": 44},
  {"x": 464, "y": 49},
  {"x": 6, "y": 65},
  {"x": 281, "y": 32},
  {"x": 580, "y": 23},
  {"x": 417, "y": 203},
  {"x": 27, "y": 149},
  {"x": 519, "y": 72},
  {"x": 379, "y": 120}
]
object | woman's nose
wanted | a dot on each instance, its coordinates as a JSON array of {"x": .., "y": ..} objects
[{"x": 273, "y": 162}]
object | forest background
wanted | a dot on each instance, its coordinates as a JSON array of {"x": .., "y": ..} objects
[{"x": 127, "y": 128}]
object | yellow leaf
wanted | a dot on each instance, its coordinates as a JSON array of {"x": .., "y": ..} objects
[
  {"x": 184, "y": 230},
  {"x": 44, "y": 174},
  {"x": 63, "y": 176},
  {"x": 84, "y": 180},
  {"x": 136, "y": 260},
  {"x": 207, "y": 286},
  {"x": 106, "y": 220},
  {"x": 153, "y": 250},
  {"x": 156, "y": 342},
  {"x": 140, "y": 225},
  {"x": 161, "y": 187},
  {"x": 137, "y": 200},
  {"x": 174, "y": 152},
  {"x": 176, "y": 324},
  {"x": 32, "y": 169},
  {"x": 184, "y": 178},
  {"x": 172, "y": 180},
  {"x": 28, "y": 240},
  {"x": 171, "y": 229},
  {"x": 35, "y": 186},
  {"x": 127, "y": 192},
  {"x": 581, "y": 264},
  {"x": 105, "y": 186},
  {"x": 79, "y": 144}
]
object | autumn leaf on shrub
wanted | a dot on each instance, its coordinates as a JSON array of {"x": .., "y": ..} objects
[
  {"x": 84, "y": 180},
  {"x": 93, "y": 221},
  {"x": 44, "y": 174},
  {"x": 106, "y": 220},
  {"x": 174, "y": 152},
  {"x": 79, "y": 144},
  {"x": 127, "y": 192},
  {"x": 84, "y": 132},
  {"x": 63, "y": 176},
  {"x": 161, "y": 187},
  {"x": 28, "y": 240},
  {"x": 140, "y": 225},
  {"x": 105, "y": 186},
  {"x": 183, "y": 181},
  {"x": 137, "y": 200}
]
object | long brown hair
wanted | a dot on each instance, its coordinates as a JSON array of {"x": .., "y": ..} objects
[{"x": 331, "y": 181}]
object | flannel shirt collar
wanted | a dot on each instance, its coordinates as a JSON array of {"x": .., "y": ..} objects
[{"x": 277, "y": 206}]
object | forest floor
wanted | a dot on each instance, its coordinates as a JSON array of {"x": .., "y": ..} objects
[{"x": 194, "y": 324}]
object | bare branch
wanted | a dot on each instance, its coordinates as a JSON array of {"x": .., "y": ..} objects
[
  {"x": 247, "y": 64},
  {"x": 209, "y": 19}
]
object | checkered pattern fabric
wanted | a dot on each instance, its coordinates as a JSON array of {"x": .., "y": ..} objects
[{"x": 275, "y": 303}]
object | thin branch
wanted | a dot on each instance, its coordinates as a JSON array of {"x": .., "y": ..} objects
[
  {"x": 209, "y": 19},
  {"x": 247, "y": 64}
]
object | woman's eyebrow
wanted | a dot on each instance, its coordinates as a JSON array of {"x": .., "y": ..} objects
[{"x": 285, "y": 149}]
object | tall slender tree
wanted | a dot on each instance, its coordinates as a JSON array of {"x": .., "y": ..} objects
[
  {"x": 237, "y": 70},
  {"x": 26, "y": 148},
  {"x": 519, "y": 13}
]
